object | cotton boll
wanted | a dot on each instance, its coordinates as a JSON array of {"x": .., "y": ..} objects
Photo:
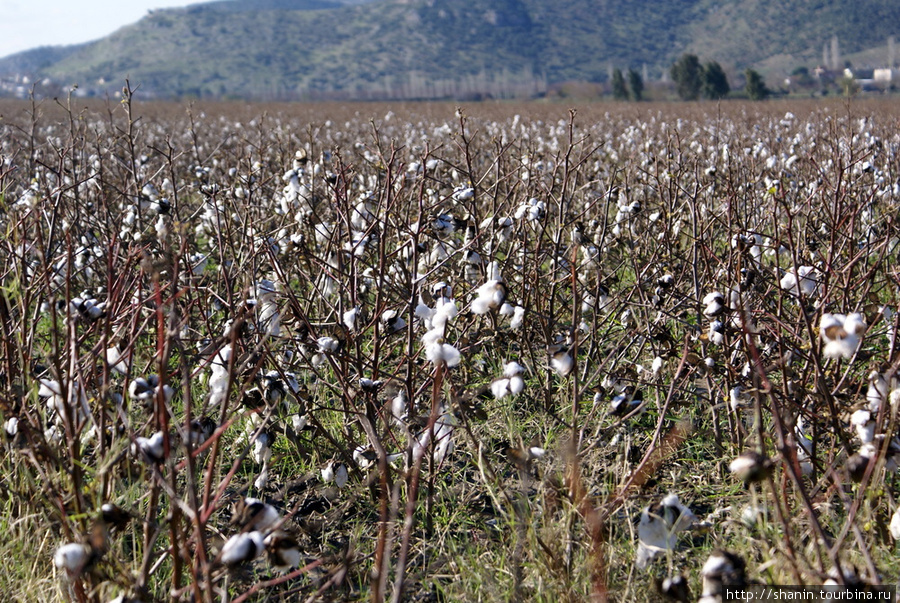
[
  {"x": 118, "y": 362},
  {"x": 337, "y": 473},
  {"x": 341, "y": 476},
  {"x": 150, "y": 448},
  {"x": 721, "y": 570},
  {"x": 399, "y": 405},
  {"x": 442, "y": 352},
  {"x": 489, "y": 296},
  {"x": 877, "y": 393},
  {"x": 254, "y": 514},
  {"x": 716, "y": 333},
  {"x": 72, "y": 557},
  {"x": 895, "y": 524},
  {"x": 242, "y": 548},
  {"x": 511, "y": 383},
  {"x": 714, "y": 304},
  {"x": 349, "y": 318},
  {"x": 518, "y": 318},
  {"x": 864, "y": 425},
  {"x": 562, "y": 362},
  {"x": 511, "y": 369},
  {"x": 262, "y": 447},
  {"x": 659, "y": 527},
  {"x": 262, "y": 480},
  {"x": 841, "y": 334},
  {"x": 282, "y": 551},
  {"x": 803, "y": 281},
  {"x": 481, "y": 305},
  {"x": 392, "y": 321},
  {"x": 327, "y": 345}
]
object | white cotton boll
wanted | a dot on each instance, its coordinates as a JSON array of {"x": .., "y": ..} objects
[
  {"x": 493, "y": 271},
  {"x": 518, "y": 318},
  {"x": 656, "y": 366},
  {"x": 116, "y": 360},
  {"x": 803, "y": 281},
  {"x": 424, "y": 312},
  {"x": 511, "y": 369},
  {"x": 715, "y": 304},
  {"x": 393, "y": 322},
  {"x": 659, "y": 527},
  {"x": 262, "y": 448},
  {"x": 152, "y": 448},
  {"x": 444, "y": 448},
  {"x": 399, "y": 405},
  {"x": 283, "y": 552},
  {"x": 11, "y": 427},
  {"x": 241, "y": 548},
  {"x": 562, "y": 362},
  {"x": 442, "y": 352},
  {"x": 364, "y": 457},
  {"x": 299, "y": 422},
  {"x": 327, "y": 344},
  {"x": 341, "y": 476},
  {"x": 500, "y": 388},
  {"x": 481, "y": 305},
  {"x": 328, "y": 473},
  {"x": 865, "y": 426},
  {"x": 349, "y": 318},
  {"x": 72, "y": 557},
  {"x": 894, "y": 398},
  {"x": 895, "y": 524},
  {"x": 444, "y": 313},
  {"x": 443, "y": 437},
  {"x": 841, "y": 334},
  {"x": 491, "y": 295},
  {"x": 432, "y": 337},
  {"x": 877, "y": 392},
  {"x": 507, "y": 309},
  {"x": 716, "y": 332},
  {"x": 262, "y": 480},
  {"x": 855, "y": 323},
  {"x": 463, "y": 193},
  {"x": 841, "y": 348},
  {"x": 269, "y": 318},
  {"x": 223, "y": 357},
  {"x": 49, "y": 388}
]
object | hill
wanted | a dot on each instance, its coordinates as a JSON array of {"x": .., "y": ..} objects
[{"x": 270, "y": 49}]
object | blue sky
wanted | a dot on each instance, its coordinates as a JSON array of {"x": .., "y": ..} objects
[{"x": 26, "y": 24}]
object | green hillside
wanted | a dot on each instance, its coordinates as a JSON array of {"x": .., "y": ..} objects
[{"x": 270, "y": 49}]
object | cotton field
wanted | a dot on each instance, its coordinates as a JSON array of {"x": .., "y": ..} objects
[{"x": 438, "y": 353}]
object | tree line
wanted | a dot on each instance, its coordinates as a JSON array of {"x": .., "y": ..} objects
[{"x": 692, "y": 81}]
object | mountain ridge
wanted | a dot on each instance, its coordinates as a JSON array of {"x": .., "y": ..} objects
[{"x": 288, "y": 49}]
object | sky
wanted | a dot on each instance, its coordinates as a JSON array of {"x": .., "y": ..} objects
[{"x": 26, "y": 24}]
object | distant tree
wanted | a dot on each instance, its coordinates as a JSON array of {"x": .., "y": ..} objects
[
  {"x": 755, "y": 87},
  {"x": 688, "y": 76},
  {"x": 715, "y": 82},
  {"x": 635, "y": 85},
  {"x": 619, "y": 90}
]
